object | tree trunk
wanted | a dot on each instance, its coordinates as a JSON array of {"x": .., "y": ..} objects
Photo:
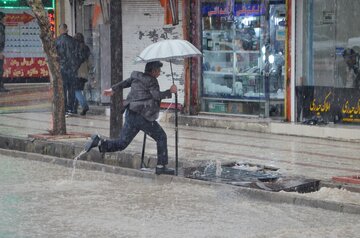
[
  {"x": 48, "y": 41},
  {"x": 116, "y": 66}
]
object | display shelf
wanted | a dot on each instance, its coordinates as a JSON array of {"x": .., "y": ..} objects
[
  {"x": 247, "y": 51},
  {"x": 244, "y": 99},
  {"x": 218, "y": 73},
  {"x": 218, "y": 51}
]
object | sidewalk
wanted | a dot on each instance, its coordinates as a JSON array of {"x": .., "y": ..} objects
[{"x": 294, "y": 156}]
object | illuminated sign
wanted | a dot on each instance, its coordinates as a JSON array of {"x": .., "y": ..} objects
[
  {"x": 23, "y": 3},
  {"x": 51, "y": 16}
]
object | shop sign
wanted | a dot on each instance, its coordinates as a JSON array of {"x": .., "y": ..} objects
[
  {"x": 26, "y": 67},
  {"x": 221, "y": 9},
  {"x": 329, "y": 103},
  {"x": 328, "y": 17},
  {"x": 14, "y": 19},
  {"x": 24, "y": 4},
  {"x": 24, "y": 54}
]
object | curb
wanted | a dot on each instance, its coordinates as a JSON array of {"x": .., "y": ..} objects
[{"x": 247, "y": 192}]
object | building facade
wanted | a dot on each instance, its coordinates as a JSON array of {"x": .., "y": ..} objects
[{"x": 281, "y": 59}]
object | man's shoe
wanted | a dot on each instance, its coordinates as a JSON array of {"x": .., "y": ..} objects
[
  {"x": 84, "y": 111},
  {"x": 162, "y": 169},
  {"x": 94, "y": 142}
]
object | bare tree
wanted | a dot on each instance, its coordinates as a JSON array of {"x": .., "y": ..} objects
[
  {"x": 48, "y": 41},
  {"x": 116, "y": 65}
]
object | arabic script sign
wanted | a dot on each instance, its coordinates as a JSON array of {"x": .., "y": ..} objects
[
  {"x": 25, "y": 67},
  {"x": 329, "y": 103},
  {"x": 224, "y": 9}
]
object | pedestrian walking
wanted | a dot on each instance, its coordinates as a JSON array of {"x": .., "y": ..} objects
[
  {"x": 2, "y": 56},
  {"x": 82, "y": 75},
  {"x": 68, "y": 50},
  {"x": 142, "y": 107}
]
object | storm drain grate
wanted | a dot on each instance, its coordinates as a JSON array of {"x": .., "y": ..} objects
[{"x": 252, "y": 176}]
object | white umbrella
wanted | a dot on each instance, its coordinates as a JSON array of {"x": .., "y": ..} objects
[
  {"x": 168, "y": 50},
  {"x": 171, "y": 51}
]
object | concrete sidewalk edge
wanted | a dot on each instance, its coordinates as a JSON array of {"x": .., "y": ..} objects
[
  {"x": 250, "y": 193},
  {"x": 264, "y": 125}
]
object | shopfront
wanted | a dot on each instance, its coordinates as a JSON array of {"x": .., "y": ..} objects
[
  {"x": 244, "y": 46},
  {"x": 143, "y": 24},
  {"x": 24, "y": 54},
  {"x": 327, "y": 61}
]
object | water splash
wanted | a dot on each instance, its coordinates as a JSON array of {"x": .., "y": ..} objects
[
  {"x": 218, "y": 170},
  {"x": 208, "y": 168},
  {"x": 74, "y": 163}
]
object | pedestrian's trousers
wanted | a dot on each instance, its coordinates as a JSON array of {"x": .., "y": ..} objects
[
  {"x": 81, "y": 99},
  {"x": 134, "y": 122},
  {"x": 69, "y": 89},
  {"x": 1, "y": 72}
]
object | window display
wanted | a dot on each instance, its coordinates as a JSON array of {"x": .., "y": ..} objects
[
  {"x": 24, "y": 54},
  {"x": 242, "y": 70}
]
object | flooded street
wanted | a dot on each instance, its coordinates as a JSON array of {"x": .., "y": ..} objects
[{"x": 39, "y": 199}]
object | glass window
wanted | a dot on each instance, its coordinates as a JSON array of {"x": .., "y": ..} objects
[
  {"x": 243, "y": 45},
  {"x": 327, "y": 61}
]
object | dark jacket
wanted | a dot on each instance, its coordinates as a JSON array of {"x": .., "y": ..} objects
[
  {"x": 85, "y": 67},
  {"x": 68, "y": 50},
  {"x": 145, "y": 96},
  {"x": 2, "y": 37}
]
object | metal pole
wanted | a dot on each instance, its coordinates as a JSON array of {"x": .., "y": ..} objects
[
  {"x": 176, "y": 125},
  {"x": 143, "y": 152},
  {"x": 174, "y": 12}
]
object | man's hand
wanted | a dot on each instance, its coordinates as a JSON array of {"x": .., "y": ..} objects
[
  {"x": 173, "y": 88},
  {"x": 108, "y": 92}
]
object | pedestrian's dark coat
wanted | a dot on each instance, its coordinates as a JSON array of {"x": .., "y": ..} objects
[
  {"x": 85, "y": 67},
  {"x": 145, "y": 95},
  {"x": 69, "y": 55},
  {"x": 2, "y": 46},
  {"x": 2, "y": 37}
]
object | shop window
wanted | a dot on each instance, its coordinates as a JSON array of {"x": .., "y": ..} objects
[
  {"x": 327, "y": 61},
  {"x": 243, "y": 47}
]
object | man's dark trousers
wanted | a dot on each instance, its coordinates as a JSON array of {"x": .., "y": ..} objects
[
  {"x": 1, "y": 72},
  {"x": 69, "y": 89},
  {"x": 134, "y": 122}
]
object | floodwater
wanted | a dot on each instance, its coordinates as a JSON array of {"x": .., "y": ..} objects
[{"x": 39, "y": 199}]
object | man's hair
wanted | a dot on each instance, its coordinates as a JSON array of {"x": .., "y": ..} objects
[
  {"x": 348, "y": 52},
  {"x": 63, "y": 27},
  {"x": 153, "y": 65},
  {"x": 2, "y": 15},
  {"x": 80, "y": 37}
]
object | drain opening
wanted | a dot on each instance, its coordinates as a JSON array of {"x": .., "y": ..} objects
[{"x": 250, "y": 175}]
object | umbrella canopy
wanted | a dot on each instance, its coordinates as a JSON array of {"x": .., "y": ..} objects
[{"x": 168, "y": 50}]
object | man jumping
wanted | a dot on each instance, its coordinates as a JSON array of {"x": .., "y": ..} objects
[{"x": 142, "y": 109}]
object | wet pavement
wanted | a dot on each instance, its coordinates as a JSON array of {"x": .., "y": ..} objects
[
  {"x": 43, "y": 200},
  {"x": 296, "y": 156}
]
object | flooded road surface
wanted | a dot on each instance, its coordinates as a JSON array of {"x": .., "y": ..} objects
[{"x": 39, "y": 199}]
